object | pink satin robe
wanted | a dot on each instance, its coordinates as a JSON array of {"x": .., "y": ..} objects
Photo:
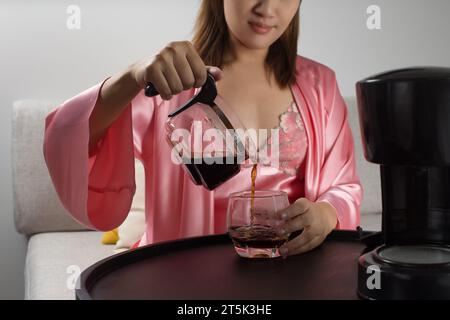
[{"x": 98, "y": 191}]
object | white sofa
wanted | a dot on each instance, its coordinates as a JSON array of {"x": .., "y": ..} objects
[{"x": 58, "y": 247}]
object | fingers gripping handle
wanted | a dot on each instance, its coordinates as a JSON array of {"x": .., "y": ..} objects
[{"x": 206, "y": 95}]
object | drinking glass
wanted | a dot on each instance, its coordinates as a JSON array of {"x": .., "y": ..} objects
[{"x": 252, "y": 222}]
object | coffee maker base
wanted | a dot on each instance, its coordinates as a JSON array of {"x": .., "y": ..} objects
[{"x": 405, "y": 272}]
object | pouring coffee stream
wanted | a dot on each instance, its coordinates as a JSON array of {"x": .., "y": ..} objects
[{"x": 252, "y": 196}]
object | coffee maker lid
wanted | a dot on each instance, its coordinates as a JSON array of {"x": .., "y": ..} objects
[
  {"x": 404, "y": 116},
  {"x": 411, "y": 74}
]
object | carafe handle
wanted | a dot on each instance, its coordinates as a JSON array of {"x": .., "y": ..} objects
[{"x": 206, "y": 95}]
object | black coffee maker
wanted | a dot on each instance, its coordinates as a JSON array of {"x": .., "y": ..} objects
[{"x": 405, "y": 127}]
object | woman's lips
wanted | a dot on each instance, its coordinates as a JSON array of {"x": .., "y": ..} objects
[{"x": 260, "y": 29}]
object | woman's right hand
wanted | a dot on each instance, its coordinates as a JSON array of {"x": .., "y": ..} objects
[{"x": 176, "y": 68}]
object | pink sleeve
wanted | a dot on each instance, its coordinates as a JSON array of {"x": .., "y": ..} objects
[
  {"x": 96, "y": 191},
  {"x": 339, "y": 168}
]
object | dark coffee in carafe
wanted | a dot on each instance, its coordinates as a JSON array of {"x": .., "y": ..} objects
[{"x": 212, "y": 172}]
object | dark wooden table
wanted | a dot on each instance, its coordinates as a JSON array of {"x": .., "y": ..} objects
[{"x": 208, "y": 268}]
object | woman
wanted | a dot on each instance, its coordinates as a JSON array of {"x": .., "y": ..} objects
[{"x": 92, "y": 139}]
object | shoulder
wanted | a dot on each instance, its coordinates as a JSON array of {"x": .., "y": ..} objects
[
  {"x": 317, "y": 82},
  {"x": 313, "y": 71}
]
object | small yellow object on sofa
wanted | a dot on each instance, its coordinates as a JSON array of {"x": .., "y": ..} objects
[{"x": 110, "y": 237}]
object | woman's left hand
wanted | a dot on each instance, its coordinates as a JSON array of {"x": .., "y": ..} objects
[{"x": 316, "y": 219}]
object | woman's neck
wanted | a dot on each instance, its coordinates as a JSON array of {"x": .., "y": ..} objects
[{"x": 245, "y": 56}]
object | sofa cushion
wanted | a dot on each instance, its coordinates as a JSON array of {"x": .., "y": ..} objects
[
  {"x": 36, "y": 204},
  {"x": 55, "y": 260}
]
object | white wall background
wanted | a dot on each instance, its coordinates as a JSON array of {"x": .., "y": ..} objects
[{"x": 41, "y": 58}]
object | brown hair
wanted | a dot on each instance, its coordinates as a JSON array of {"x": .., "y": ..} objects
[{"x": 211, "y": 40}]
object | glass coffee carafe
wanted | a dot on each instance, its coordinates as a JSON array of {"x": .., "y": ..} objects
[{"x": 206, "y": 137}]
